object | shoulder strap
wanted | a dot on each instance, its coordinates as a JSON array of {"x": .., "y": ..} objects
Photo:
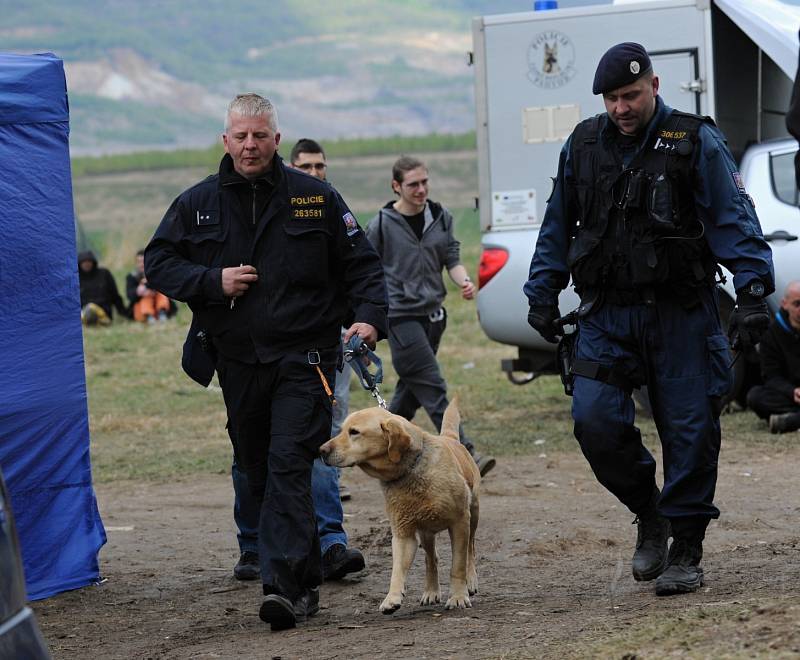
[{"x": 587, "y": 131}]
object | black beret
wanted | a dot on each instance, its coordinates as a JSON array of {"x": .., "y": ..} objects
[{"x": 621, "y": 65}]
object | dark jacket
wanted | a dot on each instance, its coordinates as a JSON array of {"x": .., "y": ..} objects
[
  {"x": 98, "y": 286},
  {"x": 779, "y": 352},
  {"x": 316, "y": 269}
]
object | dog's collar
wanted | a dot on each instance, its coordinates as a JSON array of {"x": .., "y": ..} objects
[{"x": 408, "y": 471}]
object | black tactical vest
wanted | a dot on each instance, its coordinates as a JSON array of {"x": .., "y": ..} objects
[{"x": 637, "y": 234}]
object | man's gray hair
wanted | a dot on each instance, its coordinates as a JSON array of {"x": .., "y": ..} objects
[{"x": 252, "y": 105}]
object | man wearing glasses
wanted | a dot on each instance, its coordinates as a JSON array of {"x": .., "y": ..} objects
[{"x": 307, "y": 155}]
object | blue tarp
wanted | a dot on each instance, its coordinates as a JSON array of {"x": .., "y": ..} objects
[{"x": 44, "y": 428}]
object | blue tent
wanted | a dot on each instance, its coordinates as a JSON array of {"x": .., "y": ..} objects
[{"x": 44, "y": 429}]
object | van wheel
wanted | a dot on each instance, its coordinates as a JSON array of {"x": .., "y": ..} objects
[{"x": 744, "y": 370}]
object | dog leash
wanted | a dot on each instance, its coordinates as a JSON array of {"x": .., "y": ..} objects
[{"x": 355, "y": 350}]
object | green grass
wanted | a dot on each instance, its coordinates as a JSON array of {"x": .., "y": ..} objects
[
  {"x": 149, "y": 421},
  {"x": 145, "y": 161}
]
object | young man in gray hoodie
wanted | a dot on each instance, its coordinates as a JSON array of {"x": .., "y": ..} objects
[{"x": 414, "y": 238}]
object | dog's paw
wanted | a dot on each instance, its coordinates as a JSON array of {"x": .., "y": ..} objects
[
  {"x": 391, "y": 603},
  {"x": 430, "y": 597},
  {"x": 472, "y": 585},
  {"x": 458, "y": 602}
]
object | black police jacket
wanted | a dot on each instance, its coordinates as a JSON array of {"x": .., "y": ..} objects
[{"x": 316, "y": 269}]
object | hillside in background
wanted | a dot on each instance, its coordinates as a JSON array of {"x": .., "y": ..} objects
[{"x": 159, "y": 74}]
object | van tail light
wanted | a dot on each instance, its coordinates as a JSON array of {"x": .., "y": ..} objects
[{"x": 492, "y": 260}]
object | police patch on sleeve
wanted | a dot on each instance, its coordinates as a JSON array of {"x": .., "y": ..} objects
[
  {"x": 350, "y": 223},
  {"x": 737, "y": 179}
]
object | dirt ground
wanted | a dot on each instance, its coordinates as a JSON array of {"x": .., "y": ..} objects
[{"x": 554, "y": 566}]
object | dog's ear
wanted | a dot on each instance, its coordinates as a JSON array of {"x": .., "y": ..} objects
[{"x": 397, "y": 440}]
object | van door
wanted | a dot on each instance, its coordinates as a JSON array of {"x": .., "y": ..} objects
[
  {"x": 678, "y": 72},
  {"x": 777, "y": 207}
]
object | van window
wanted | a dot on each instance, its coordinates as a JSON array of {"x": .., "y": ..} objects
[{"x": 783, "y": 179}]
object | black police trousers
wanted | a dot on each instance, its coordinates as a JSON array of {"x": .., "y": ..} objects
[{"x": 279, "y": 415}]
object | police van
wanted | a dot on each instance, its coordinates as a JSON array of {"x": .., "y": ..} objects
[{"x": 733, "y": 60}]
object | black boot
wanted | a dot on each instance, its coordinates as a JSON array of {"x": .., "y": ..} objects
[
  {"x": 339, "y": 560},
  {"x": 485, "y": 463},
  {"x": 683, "y": 573},
  {"x": 282, "y": 614},
  {"x": 307, "y": 605},
  {"x": 652, "y": 535},
  {"x": 248, "y": 567},
  {"x": 784, "y": 423},
  {"x": 278, "y": 611},
  {"x": 650, "y": 558}
]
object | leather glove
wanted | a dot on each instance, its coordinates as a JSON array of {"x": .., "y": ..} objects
[
  {"x": 748, "y": 322},
  {"x": 541, "y": 317}
]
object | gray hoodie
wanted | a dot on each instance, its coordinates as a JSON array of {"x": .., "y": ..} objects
[{"x": 413, "y": 267}]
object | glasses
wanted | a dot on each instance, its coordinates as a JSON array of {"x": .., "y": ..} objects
[{"x": 312, "y": 166}]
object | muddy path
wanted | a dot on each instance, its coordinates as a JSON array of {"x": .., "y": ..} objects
[{"x": 554, "y": 567}]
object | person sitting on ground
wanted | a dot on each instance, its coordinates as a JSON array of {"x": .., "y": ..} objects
[
  {"x": 147, "y": 304},
  {"x": 99, "y": 293},
  {"x": 778, "y": 399}
]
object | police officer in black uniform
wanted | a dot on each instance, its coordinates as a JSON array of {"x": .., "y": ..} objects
[
  {"x": 646, "y": 203},
  {"x": 272, "y": 264}
]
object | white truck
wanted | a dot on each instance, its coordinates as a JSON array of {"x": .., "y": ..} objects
[{"x": 734, "y": 60}]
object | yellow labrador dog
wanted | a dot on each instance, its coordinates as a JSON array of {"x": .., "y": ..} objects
[{"x": 430, "y": 484}]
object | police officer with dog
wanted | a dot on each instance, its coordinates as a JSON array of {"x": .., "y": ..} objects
[
  {"x": 646, "y": 204},
  {"x": 272, "y": 264}
]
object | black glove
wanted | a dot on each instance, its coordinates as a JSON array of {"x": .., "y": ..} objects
[
  {"x": 541, "y": 317},
  {"x": 748, "y": 322}
]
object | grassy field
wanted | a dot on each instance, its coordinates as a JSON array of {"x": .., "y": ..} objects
[{"x": 149, "y": 421}]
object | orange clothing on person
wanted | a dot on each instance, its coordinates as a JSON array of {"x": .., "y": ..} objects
[{"x": 150, "y": 305}]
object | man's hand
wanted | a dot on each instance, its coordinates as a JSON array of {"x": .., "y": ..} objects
[
  {"x": 468, "y": 289},
  {"x": 364, "y": 330},
  {"x": 796, "y": 395},
  {"x": 541, "y": 317},
  {"x": 748, "y": 322},
  {"x": 237, "y": 279}
]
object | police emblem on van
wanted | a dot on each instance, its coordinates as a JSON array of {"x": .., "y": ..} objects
[{"x": 551, "y": 60}]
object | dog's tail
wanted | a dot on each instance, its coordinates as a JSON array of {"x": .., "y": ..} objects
[{"x": 451, "y": 420}]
